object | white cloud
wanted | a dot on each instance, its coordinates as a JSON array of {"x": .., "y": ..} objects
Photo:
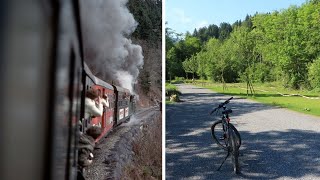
[
  {"x": 202, "y": 23},
  {"x": 179, "y": 20},
  {"x": 180, "y": 16}
]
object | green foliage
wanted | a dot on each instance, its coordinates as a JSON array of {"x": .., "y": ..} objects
[
  {"x": 191, "y": 65},
  {"x": 178, "y": 53},
  {"x": 148, "y": 13},
  {"x": 171, "y": 90},
  {"x": 314, "y": 74},
  {"x": 224, "y": 31},
  {"x": 282, "y": 46}
]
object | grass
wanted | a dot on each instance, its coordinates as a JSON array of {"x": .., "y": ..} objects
[
  {"x": 269, "y": 94},
  {"x": 169, "y": 102},
  {"x": 147, "y": 161}
]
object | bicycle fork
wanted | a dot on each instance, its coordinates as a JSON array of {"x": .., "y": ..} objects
[{"x": 226, "y": 136}]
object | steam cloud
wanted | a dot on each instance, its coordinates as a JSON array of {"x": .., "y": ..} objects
[{"x": 106, "y": 25}]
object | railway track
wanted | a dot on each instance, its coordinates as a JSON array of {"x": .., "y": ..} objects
[{"x": 115, "y": 151}]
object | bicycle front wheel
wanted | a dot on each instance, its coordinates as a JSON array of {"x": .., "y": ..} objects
[
  {"x": 219, "y": 136},
  {"x": 234, "y": 152}
]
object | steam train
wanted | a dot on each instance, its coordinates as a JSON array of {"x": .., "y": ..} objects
[
  {"x": 44, "y": 80},
  {"x": 122, "y": 104}
]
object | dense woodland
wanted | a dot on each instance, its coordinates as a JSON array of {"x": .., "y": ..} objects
[
  {"x": 148, "y": 14},
  {"x": 281, "y": 46}
]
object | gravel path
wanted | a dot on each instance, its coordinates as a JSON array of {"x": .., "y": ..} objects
[{"x": 277, "y": 143}]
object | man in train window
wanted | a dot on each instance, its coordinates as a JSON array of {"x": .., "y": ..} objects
[
  {"x": 105, "y": 101},
  {"x": 93, "y": 105}
]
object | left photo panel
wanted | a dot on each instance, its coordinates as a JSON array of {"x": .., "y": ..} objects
[{"x": 81, "y": 89}]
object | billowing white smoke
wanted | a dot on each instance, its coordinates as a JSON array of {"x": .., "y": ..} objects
[{"x": 106, "y": 25}]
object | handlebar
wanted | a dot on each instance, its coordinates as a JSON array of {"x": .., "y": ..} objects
[{"x": 221, "y": 105}]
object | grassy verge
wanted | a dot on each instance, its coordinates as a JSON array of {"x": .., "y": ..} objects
[
  {"x": 147, "y": 161},
  {"x": 269, "y": 94}
]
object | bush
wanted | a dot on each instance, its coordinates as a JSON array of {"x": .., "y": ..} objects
[
  {"x": 171, "y": 89},
  {"x": 314, "y": 74},
  {"x": 178, "y": 80}
]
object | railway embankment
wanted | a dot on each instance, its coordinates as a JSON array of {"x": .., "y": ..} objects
[{"x": 115, "y": 152}]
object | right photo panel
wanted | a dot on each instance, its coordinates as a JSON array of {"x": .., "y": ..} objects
[{"x": 242, "y": 89}]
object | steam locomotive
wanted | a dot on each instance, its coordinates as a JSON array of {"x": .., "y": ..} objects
[{"x": 44, "y": 80}]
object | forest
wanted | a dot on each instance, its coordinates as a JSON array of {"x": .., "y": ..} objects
[
  {"x": 281, "y": 46},
  {"x": 148, "y": 34}
]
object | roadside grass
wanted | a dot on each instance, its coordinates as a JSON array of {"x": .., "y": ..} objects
[
  {"x": 147, "y": 148},
  {"x": 169, "y": 102},
  {"x": 269, "y": 94}
]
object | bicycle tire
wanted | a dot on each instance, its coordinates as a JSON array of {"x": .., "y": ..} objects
[
  {"x": 218, "y": 133},
  {"x": 234, "y": 152}
]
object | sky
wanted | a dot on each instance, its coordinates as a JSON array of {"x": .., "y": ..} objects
[{"x": 186, "y": 15}]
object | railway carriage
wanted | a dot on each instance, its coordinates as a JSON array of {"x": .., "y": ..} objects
[
  {"x": 106, "y": 121},
  {"x": 122, "y": 105}
]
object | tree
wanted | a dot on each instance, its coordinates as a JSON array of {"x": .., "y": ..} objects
[
  {"x": 314, "y": 74},
  {"x": 191, "y": 65},
  {"x": 224, "y": 31},
  {"x": 213, "y": 31}
]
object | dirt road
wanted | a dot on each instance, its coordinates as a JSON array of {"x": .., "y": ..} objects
[{"x": 277, "y": 143}]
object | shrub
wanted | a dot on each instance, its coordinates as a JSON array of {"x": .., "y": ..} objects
[
  {"x": 171, "y": 89},
  {"x": 314, "y": 74},
  {"x": 178, "y": 80}
]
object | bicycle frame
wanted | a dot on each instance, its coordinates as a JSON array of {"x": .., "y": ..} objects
[{"x": 226, "y": 126}]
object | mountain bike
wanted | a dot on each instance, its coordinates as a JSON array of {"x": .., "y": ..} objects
[{"x": 226, "y": 135}]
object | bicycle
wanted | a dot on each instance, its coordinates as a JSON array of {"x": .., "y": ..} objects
[{"x": 226, "y": 135}]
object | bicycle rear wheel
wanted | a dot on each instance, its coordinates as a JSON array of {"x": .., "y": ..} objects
[
  {"x": 219, "y": 136},
  {"x": 234, "y": 152}
]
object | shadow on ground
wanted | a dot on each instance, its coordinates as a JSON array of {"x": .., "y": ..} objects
[{"x": 192, "y": 154}]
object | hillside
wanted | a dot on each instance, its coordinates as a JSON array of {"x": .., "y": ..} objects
[{"x": 148, "y": 35}]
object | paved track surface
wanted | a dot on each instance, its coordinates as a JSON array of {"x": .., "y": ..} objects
[{"x": 277, "y": 143}]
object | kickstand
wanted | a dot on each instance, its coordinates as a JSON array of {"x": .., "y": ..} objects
[{"x": 224, "y": 161}]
